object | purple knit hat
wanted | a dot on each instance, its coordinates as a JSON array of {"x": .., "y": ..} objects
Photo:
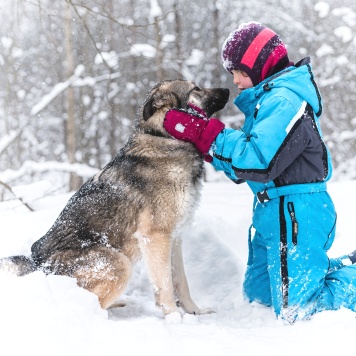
[{"x": 256, "y": 50}]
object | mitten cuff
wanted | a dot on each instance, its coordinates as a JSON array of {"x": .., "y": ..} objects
[
  {"x": 208, "y": 135},
  {"x": 208, "y": 158}
]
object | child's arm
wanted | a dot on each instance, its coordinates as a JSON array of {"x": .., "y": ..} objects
[{"x": 278, "y": 136}]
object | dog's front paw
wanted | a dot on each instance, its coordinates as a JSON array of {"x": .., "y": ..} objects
[
  {"x": 191, "y": 308},
  {"x": 201, "y": 311},
  {"x": 206, "y": 311},
  {"x": 117, "y": 305}
]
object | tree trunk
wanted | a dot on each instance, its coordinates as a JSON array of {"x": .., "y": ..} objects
[
  {"x": 217, "y": 45},
  {"x": 112, "y": 115},
  {"x": 159, "y": 51},
  {"x": 178, "y": 35},
  {"x": 74, "y": 180}
]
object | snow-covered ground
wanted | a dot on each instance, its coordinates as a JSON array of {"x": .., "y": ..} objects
[{"x": 51, "y": 315}]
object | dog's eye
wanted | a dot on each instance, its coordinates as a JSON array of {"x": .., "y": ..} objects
[{"x": 196, "y": 89}]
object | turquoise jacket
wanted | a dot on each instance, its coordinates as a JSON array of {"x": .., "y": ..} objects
[{"x": 280, "y": 142}]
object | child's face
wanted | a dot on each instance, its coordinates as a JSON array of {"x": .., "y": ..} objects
[{"x": 241, "y": 79}]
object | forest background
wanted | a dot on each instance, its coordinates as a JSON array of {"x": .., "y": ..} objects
[{"x": 74, "y": 73}]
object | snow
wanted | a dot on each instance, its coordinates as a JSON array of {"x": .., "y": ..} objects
[
  {"x": 342, "y": 60},
  {"x": 6, "y": 42},
  {"x": 143, "y": 49},
  {"x": 345, "y": 33},
  {"x": 155, "y": 10},
  {"x": 322, "y": 8},
  {"x": 166, "y": 40},
  {"x": 347, "y": 14},
  {"x": 324, "y": 50},
  {"x": 111, "y": 58},
  {"x": 52, "y": 315},
  {"x": 329, "y": 81},
  {"x": 195, "y": 58}
]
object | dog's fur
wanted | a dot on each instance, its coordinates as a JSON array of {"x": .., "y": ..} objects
[{"x": 136, "y": 206}]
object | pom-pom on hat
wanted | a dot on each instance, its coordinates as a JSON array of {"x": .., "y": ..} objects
[{"x": 256, "y": 50}]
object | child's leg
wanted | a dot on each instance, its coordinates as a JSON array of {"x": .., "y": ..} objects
[
  {"x": 257, "y": 284},
  {"x": 297, "y": 231}
]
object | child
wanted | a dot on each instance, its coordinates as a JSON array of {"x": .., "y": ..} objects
[{"x": 281, "y": 155}]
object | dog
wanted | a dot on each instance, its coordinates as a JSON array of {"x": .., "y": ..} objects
[{"x": 137, "y": 206}]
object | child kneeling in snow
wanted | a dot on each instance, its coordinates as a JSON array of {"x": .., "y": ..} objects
[{"x": 281, "y": 155}]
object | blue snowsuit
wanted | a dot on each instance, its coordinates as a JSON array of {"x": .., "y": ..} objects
[{"x": 281, "y": 155}]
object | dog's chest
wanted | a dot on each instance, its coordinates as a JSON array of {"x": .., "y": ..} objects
[
  {"x": 185, "y": 191},
  {"x": 179, "y": 175},
  {"x": 186, "y": 202}
]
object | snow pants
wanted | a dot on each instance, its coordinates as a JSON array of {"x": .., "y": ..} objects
[{"x": 288, "y": 267}]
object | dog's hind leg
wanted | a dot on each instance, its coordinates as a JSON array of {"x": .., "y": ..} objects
[
  {"x": 107, "y": 275},
  {"x": 101, "y": 270}
]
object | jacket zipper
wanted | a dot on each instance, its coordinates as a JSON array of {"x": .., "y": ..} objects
[{"x": 291, "y": 211}]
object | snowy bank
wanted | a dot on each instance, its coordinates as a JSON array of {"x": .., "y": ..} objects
[{"x": 51, "y": 315}]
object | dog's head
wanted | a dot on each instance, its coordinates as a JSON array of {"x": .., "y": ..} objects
[{"x": 177, "y": 94}]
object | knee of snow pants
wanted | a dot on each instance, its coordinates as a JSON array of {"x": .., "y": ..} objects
[{"x": 293, "y": 234}]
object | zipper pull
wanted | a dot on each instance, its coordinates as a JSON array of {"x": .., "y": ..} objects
[
  {"x": 256, "y": 111},
  {"x": 291, "y": 211}
]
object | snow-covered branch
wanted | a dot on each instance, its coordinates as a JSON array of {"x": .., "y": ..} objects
[
  {"x": 56, "y": 90},
  {"x": 28, "y": 167},
  {"x": 341, "y": 136},
  {"x": 37, "y": 108},
  {"x": 6, "y": 140}
]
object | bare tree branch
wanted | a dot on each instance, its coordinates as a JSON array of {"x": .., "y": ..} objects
[
  {"x": 13, "y": 193},
  {"x": 89, "y": 34}
]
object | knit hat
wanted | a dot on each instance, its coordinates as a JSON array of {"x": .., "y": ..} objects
[{"x": 256, "y": 50}]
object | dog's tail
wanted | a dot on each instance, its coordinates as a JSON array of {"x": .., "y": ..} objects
[{"x": 18, "y": 265}]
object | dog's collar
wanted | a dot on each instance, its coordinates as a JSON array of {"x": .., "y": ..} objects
[{"x": 154, "y": 132}]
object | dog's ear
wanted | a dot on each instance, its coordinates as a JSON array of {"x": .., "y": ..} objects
[
  {"x": 149, "y": 109},
  {"x": 151, "y": 106}
]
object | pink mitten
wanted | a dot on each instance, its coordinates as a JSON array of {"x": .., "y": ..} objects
[{"x": 193, "y": 127}]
